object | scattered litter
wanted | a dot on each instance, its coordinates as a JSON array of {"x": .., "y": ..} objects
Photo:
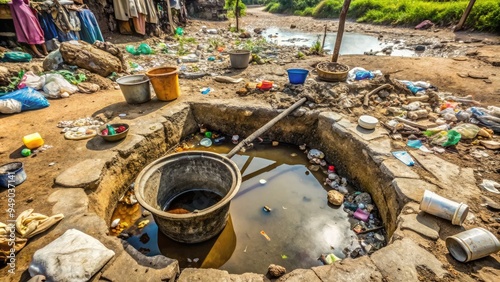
[
  {"x": 143, "y": 223},
  {"x": 262, "y": 181},
  {"x": 314, "y": 153},
  {"x": 266, "y": 209},
  {"x": 284, "y": 256},
  {"x": 205, "y": 90},
  {"x": 115, "y": 223},
  {"x": 490, "y": 185},
  {"x": 414, "y": 144},
  {"x": 265, "y": 235},
  {"x": 189, "y": 260},
  {"x": 284, "y": 207},
  {"x": 206, "y": 142},
  {"x": 122, "y": 115},
  {"x": 228, "y": 79},
  {"x": 329, "y": 259},
  {"x": 404, "y": 157},
  {"x": 52, "y": 163},
  {"x": 245, "y": 250},
  {"x": 235, "y": 139},
  {"x": 25, "y": 152},
  {"x": 195, "y": 260},
  {"x": 424, "y": 149}
]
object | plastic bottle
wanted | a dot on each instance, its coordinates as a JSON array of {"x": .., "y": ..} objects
[
  {"x": 33, "y": 140},
  {"x": 111, "y": 130}
]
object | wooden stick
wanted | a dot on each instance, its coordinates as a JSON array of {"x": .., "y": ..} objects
[
  {"x": 237, "y": 14},
  {"x": 265, "y": 127},
  {"x": 340, "y": 32},
  {"x": 324, "y": 37},
  {"x": 169, "y": 13},
  {"x": 414, "y": 124},
  {"x": 367, "y": 96},
  {"x": 417, "y": 98},
  {"x": 465, "y": 15}
]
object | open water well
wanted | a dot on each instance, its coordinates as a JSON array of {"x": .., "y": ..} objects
[{"x": 189, "y": 194}]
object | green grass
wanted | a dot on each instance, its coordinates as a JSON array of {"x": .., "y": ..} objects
[{"x": 485, "y": 15}]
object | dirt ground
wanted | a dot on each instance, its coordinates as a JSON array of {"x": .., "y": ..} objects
[{"x": 476, "y": 53}]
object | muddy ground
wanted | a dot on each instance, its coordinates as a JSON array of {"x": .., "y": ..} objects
[{"x": 467, "y": 52}]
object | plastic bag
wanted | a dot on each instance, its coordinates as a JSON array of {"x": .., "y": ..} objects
[
  {"x": 10, "y": 106},
  {"x": 29, "y": 98},
  {"x": 55, "y": 84},
  {"x": 179, "y": 31},
  {"x": 31, "y": 80},
  {"x": 16, "y": 57},
  {"x": 467, "y": 130},
  {"x": 446, "y": 138},
  {"x": 360, "y": 75},
  {"x": 144, "y": 49},
  {"x": 492, "y": 122}
]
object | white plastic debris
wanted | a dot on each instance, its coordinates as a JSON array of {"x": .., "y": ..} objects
[{"x": 490, "y": 185}]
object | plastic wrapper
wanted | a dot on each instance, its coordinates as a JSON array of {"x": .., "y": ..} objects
[
  {"x": 55, "y": 84},
  {"x": 16, "y": 57},
  {"x": 446, "y": 138},
  {"x": 467, "y": 130},
  {"x": 29, "y": 98},
  {"x": 31, "y": 80}
]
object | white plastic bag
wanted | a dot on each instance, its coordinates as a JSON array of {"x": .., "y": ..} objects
[
  {"x": 31, "y": 80},
  {"x": 55, "y": 84},
  {"x": 10, "y": 106}
]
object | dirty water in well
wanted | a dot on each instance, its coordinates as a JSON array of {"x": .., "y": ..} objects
[
  {"x": 352, "y": 43},
  {"x": 280, "y": 215}
]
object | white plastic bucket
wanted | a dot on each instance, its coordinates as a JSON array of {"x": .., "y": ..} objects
[
  {"x": 472, "y": 244},
  {"x": 439, "y": 206}
]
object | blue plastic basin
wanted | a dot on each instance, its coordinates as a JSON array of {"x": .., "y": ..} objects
[
  {"x": 12, "y": 174},
  {"x": 297, "y": 76}
]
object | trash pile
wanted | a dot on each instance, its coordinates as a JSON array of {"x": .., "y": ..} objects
[
  {"x": 82, "y": 128},
  {"x": 358, "y": 205}
]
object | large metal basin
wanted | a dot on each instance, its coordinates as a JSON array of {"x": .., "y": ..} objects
[{"x": 164, "y": 179}]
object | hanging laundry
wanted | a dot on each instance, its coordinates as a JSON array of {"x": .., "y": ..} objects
[
  {"x": 90, "y": 28},
  {"x": 152, "y": 16},
  {"x": 48, "y": 26},
  {"x": 122, "y": 9},
  {"x": 28, "y": 30}
]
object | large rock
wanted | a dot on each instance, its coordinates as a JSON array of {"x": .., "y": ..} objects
[
  {"x": 335, "y": 197},
  {"x": 75, "y": 256},
  {"x": 86, "y": 56},
  {"x": 85, "y": 174}
]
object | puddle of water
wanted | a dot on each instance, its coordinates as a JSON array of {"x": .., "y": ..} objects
[
  {"x": 300, "y": 226},
  {"x": 189, "y": 201},
  {"x": 352, "y": 43}
]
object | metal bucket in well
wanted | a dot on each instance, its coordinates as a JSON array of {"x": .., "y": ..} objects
[{"x": 167, "y": 178}]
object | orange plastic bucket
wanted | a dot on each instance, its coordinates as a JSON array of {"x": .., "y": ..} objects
[{"x": 165, "y": 81}]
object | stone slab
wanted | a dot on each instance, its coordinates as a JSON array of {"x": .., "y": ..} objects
[
  {"x": 85, "y": 174},
  {"x": 399, "y": 261},
  {"x": 420, "y": 223},
  {"x": 69, "y": 201},
  {"x": 248, "y": 277},
  {"x": 332, "y": 116},
  {"x": 360, "y": 269},
  {"x": 132, "y": 265},
  {"x": 396, "y": 169},
  {"x": 129, "y": 145},
  {"x": 74, "y": 256},
  {"x": 147, "y": 128},
  {"x": 444, "y": 171},
  {"x": 451, "y": 175},
  {"x": 380, "y": 149},
  {"x": 199, "y": 274},
  {"x": 409, "y": 189},
  {"x": 300, "y": 275}
]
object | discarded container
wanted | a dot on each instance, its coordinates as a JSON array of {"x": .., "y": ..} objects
[
  {"x": 235, "y": 139},
  {"x": 361, "y": 214},
  {"x": 297, "y": 76},
  {"x": 114, "y": 137},
  {"x": 135, "y": 88},
  {"x": 165, "y": 81},
  {"x": 32, "y": 141},
  {"x": 239, "y": 59},
  {"x": 12, "y": 174},
  {"x": 472, "y": 244},
  {"x": 444, "y": 208},
  {"x": 206, "y": 142},
  {"x": 404, "y": 157},
  {"x": 168, "y": 177},
  {"x": 367, "y": 122}
]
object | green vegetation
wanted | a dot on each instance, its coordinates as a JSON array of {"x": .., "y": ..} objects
[
  {"x": 485, "y": 14},
  {"x": 316, "y": 48},
  {"x": 255, "y": 46},
  {"x": 300, "y": 55}
]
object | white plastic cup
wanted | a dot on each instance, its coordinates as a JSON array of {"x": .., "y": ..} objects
[
  {"x": 472, "y": 244},
  {"x": 439, "y": 206}
]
